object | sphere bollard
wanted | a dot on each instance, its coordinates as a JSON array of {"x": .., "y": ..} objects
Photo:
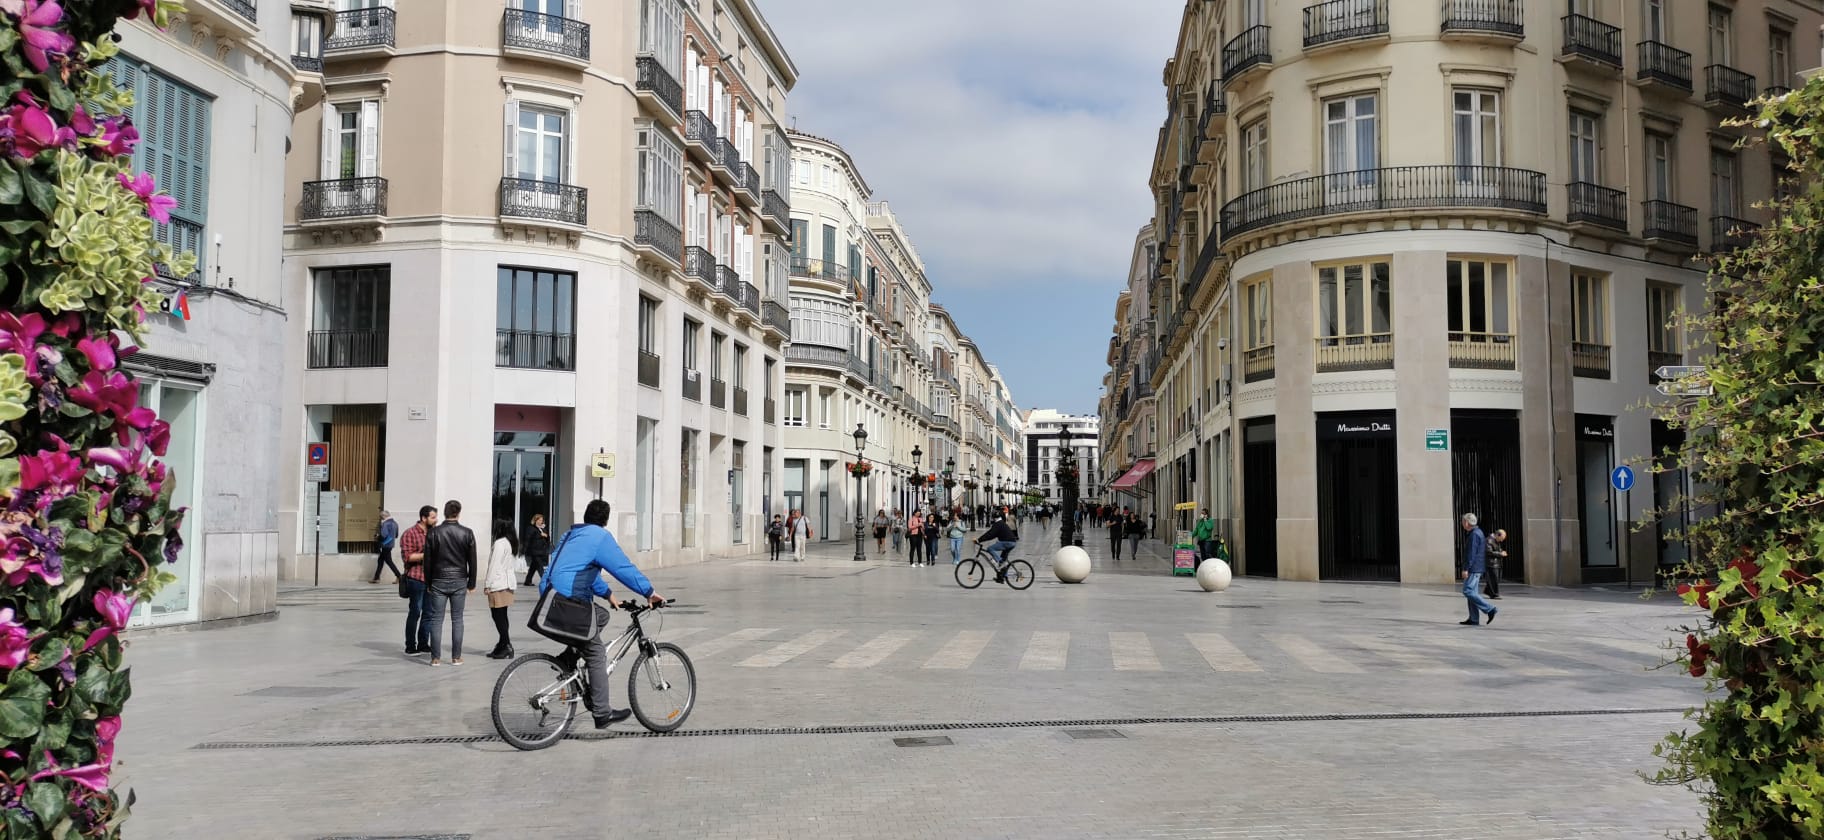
[
  {"x": 1071, "y": 564},
  {"x": 1214, "y": 575}
]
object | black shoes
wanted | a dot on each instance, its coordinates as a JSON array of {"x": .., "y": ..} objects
[
  {"x": 614, "y": 716},
  {"x": 1491, "y": 616},
  {"x": 502, "y": 652},
  {"x": 1468, "y": 621}
]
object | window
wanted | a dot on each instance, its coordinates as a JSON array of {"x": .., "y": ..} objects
[
  {"x": 1660, "y": 162},
  {"x": 350, "y": 317},
  {"x": 740, "y": 363},
  {"x": 1585, "y": 148},
  {"x": 1257, "y": 332},
  {"x": 820, "y": 321},
  {"x": 716, "y": 340},
  {"x": 1655, "y": 15},
  {"x": 801, "y": 238},
  {"x": 351, "y": 141},
  {"x": 661, "y": 175},
  {"x": 1725, "y": 185},
  {"x": 829, "y": 247},
  {"x": 540, "y": 143},
  {"x": 307, "y": 36},
  {"x": 1590, "y": 308},
  {"x": 1479, "y": 298},
  {"x": 1779, "y": 58},
  {"x": 692, "y": 336},
  {"x": 823, "y": 409},
  {"x": 1351, "y": 139},
  {"x": 662, "y": 33},
  {"x": 173, "y": 122},
  {"x": 535, "y": 319},
  {"x": 1663, "y": 332},
  {"x": 649, "y": 326},
  {"x": 1477, "y": 125},
  {"x": 1722, "y": 40},
  {"x": 795, "y": 406},
  {"x": 1355, "y": 303},
  {"x": 1254, "y": 156}
]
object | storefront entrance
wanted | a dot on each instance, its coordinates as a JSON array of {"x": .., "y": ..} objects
[
  {"x": 1596, "y": 514},
  {"x": 524, "y": 464},
  {"x": 1260, "y": 498},
  {"x": 181, "y": 405},
  {"x": 1485, "y": 480},
  {"x": 1358, "y": 534}
]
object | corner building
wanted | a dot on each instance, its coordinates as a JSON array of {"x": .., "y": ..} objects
[
  {"x": 526, "y": 236},
  {"x": 1418, "y": 259}
]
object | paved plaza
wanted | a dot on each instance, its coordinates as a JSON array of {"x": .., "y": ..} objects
[{"x": 1135, "y": 705}]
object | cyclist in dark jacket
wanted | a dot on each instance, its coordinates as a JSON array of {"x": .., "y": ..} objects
[{"x": 1004, "y": 538}]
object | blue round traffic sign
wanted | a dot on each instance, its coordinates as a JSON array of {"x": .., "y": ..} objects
[{"x": 1622, "y": 478}]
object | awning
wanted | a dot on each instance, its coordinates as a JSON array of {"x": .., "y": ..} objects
[{"x": 1141, "y": 469}]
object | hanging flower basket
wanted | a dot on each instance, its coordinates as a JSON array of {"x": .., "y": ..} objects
[
  {"x": 969, "y": 485},
  {"x": 861, "y": 469},
  {"x": 949, "y": 483},
  {"x": 917, "y": 480},
  {"x": 1067, "y": 474}
]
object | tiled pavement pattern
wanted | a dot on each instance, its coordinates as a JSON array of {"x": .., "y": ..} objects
[{"x": 833, "y": 642}]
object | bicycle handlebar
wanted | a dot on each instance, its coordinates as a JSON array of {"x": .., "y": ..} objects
[{"x": 633, "y": 606}]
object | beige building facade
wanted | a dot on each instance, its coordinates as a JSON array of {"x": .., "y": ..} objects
[{"x": 1417, "y": 260}]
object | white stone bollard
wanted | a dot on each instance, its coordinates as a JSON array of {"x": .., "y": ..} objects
[
  {"x": 1214, "y": 575},
  {"x": 1071, "y": 564}
]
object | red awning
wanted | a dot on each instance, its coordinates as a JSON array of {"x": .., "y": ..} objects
[{"x": 1141, "y": 469}]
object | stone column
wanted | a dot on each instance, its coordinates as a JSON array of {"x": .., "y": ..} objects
[
  {"x": 1548, "y": 439},
  {"x": 1421, "y": 353},
  {"x": 1295, "y": 421}
]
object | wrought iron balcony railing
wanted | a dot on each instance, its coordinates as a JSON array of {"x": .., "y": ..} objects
[
  {"x": 1482, "y": 350},
  {"x": 1728, "y": 233},
  {"x": 1391, "y": 188},
  {"x": 1589, "y": 38},
  {"x": 750, "y": 181},
  {"x": 1246, "y": 51},
  {"x": 728, "y": 283},
  {"x": 776, "y": 316},
  {"x": 1367, "y": 351},
  {"x": 1657, "y": 359},
  {"x": 775, "y": 209},
  {"x": 700, "y": 265},
  {"x": 652, "y": 231},
  {"x": 1343, "y": 20},
  {"x": 244, "y": 8},
  {"x": 1727, "y": 87},
  {"x": 524, "y": 198},
  {"x": 361, "y": 29},
  {"x": 731, "y": 157},
  {"x": 652, "y": 77},
  {"x": 1590, "y": 361},
  {"x": 1670, "y": 222},
  {"x": 1665, "y": 64},
  {"x": 1495, "y": 17},
  {"x": 347, "y": 349},
  {"x": 819, "y": 269},
  {"x": 750, "y": 297},
  {"x": 342, "y": 198},
  {"x": 649, "y": 369},
  {"x": 539, "y": 32},
  {"x": 307, "y": 63},
  {"x": 1597, "y": 205},
  {"x": 1257, "y": 364},
  {"x": 700, "y": 130},
  {"x": 536, "y": 350}
]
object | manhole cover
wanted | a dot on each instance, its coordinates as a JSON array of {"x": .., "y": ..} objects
[
  {"x": 924, "y": 741},
  {"x": 1093, "y": 734},
  {"x": 299, "y": 691}
]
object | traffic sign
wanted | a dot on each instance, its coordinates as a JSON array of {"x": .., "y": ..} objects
[
  {"x": 317, "y": 454},
  {"x": 1679, "y": 371},
  {"x": 1437, "y": 440},
  {"x": 1689, "y": 387},
  {"x": 601, "y": 465},
  {"x": 1622, "y": 478}
]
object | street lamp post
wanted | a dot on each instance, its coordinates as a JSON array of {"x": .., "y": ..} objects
[
  {"x": 915, "y": 481},
  {"x": 861, "y": 440},
  {"x": 949, "y": 480},
  {"x": 1067, "y": 487}
]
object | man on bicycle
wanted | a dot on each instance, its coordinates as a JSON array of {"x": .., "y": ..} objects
[
  {"x": 1004, "y": 537},
  {"x": 576, "y": 570}
]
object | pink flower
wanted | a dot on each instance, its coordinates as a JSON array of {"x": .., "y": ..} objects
[
  {"x": 106, "y": 730},
  {"x": 50, "y": 473},
  {"x": 124, "y": 460},
  {"x": 33, "y": 129},
  {"x": 91, "y": 776},
  {"x": 158, "y": 438},
  {"x": 106, "y": 393},
  {"x": 100, "y": 352},
  {"x": 118, "y": 136},
  {"x": 15, "y": 641},
  {"x": 151, "y": 7},
  {"x": 115, "y": 608},
  {"x": 19, "y": 334},
  {"x": 157, "y": 206},
  {"x": 35, "y": 29},
  {"x": 81, "y": 122},
  {"x": 66, "y": 325}
]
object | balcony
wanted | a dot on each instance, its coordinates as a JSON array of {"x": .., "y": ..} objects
[
  {"x": 535, "y": 350},
  {"x": 700, "y": 265},
  {"x": 730, "y": 163},
  {"x": 1256, "y": 364},
  {"x": 728, "y": 283},
  {"x": 771, "y": 411},
  {"x": 361, "y": 31},
  {"x": 244, "y": 8},
  {"x": 1728, "y": 233},
  {"x": 1665, "y": 66},
  {"x": 537, "y": 35},
  {"x": 1597, "y": 205},
  {"x": 649, "y": 369},
  {"x": 1775, "y": 91},
  {"x": 653, "y": 234},
  {"x": 342, "y": 199},
  {"x": 741, "y": 401},
  {"x": 718, "y": 393},
  {"x": 1344, "y": 20},
  {"x": 1727, "y": 89},
  {"x": 1657, "y": 359},
  {"x": 693, "y": 385},
  {"x": 776, "y": 316},
  {"x": 545, "y": 201},
  {"x": 700, "y": 136},
  {"x": 347, "y": 349},
  {"x": 184, "y": 236},
  {"x": 1393, "y": 188},
  {"x": 819, "y": 269},
  {"x": 831, "y": 357},
  {"x": 1482, "y": 350},
  {"x": 750, "y": 297},
  {"x": 1591, "y": 42},
  {"x": 307, "y": 63},
  {"x": 233, "y": 19},
  {"x": 1590, "y": 361},
  {"x": 749, "y": 193},
  {"x": 777, "y": 214},
  {"x": 1503, "y": 20},
  {"x": 1668, "y": 222},
  {"x": 658, "y": 91},
  {"x": 1368, "y": 351},
  {"x": 1215, "y": 105},
  {"x": 1245, "y": 52}
]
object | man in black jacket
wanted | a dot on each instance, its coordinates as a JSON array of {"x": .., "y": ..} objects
[
  {"x": 449, "y": 574},
  {"x": 1004, "y": 538}
]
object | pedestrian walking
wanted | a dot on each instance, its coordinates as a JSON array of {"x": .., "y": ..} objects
[
  {"x": 775, "y": 537},
  {"x": 386, "y": 534},
  {"x": 1204, "y": 533},
  {"x": 535, "y": 541},
  {"x": 915, "y": 537},
  {"x": 411, "y": 553},
  {"x": 1497, "y": 553},
  {"x": 450, "y": 565},
  {"x": 934, "y": 529},
  {"x": 880, "y": 531},
  {"x": 956, "y": 532},
  {"x": 1135, "y": 531},
  {"x": 498, "y": 584},
  {"x": 1475, "y": 560},
  {"x": 1117, "y": 528},
  {"x": 897, "y": 525},
  {"x": 801, "y": 535}
]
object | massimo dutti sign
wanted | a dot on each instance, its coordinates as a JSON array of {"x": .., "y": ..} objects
[{"x": 1354, "y": 426}]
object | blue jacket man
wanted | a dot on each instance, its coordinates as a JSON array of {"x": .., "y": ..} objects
[
  {"x": 576, "y": 569},
  {"x": 1475, "y": 563},
  {"x": 388, "y": 536}
]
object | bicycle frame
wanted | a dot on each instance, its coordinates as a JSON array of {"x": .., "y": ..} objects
[{"x": 579, "y": 674}]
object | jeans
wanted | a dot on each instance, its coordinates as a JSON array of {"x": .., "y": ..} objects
[
  {"x": 1001, "y": 548},
  {"x": 417, "y": 630},
  {"x": 931, "y": 549},
  {"x": 384, "y": 560},
  {"x": 895, "y": 539},
  {"x": 1472, "y": 590},
  {"x": 1116, "y": 543},
  {"x": 956, "y": 550},
  {"x": 438, "y": 601},
  {"x": 1133, "y": 546}
]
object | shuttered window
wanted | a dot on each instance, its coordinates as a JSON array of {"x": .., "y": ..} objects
[{"x": 173, "y": 123}]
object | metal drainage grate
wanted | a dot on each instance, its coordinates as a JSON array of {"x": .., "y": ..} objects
[
  {"x": 299, "y": 691},
  {"x": 396, "y": 837},
  {"x": 1236, "y": 606},
  {"x": 924, "y": 741},
  {"x": 1094, "y": 734},
  {"x": 1339, "y": 601}
]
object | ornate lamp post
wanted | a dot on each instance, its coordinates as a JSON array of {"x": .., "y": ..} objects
[
  {"x": 969, "y": 491},
  {"x": 861, "y": 440},
  {"x": 949, "y": 483},
  {"x": 918, "y": 479},
  {"x": 1067, "y": 487}
]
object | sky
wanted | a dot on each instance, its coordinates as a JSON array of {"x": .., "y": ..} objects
[{"x": 1012, "y": 139}]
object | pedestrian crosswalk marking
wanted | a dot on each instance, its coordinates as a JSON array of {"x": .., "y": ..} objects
[
  {"x": 1046, "y": 652},
  {"x": 1402, "y": 656},
  {"x": 749, "y": 634},
  {"x": 793, "y": 649},
  {"x": 961, "y": 651},
  {"x": 1634, "y": 646},
  {"x": 1601, "y": 660},
  {"x": 1313, "y": 657},
  {"x": 881, "y": 647},
  {"x": 1221, "y": 655},
  {"x": 1486, "y": 654},
  {"x": 1132, "y": 652}
]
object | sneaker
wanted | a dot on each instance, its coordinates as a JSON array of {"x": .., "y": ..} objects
[
  {"x": 614, "y": 716},
  {"x": 456, "y": 662},
  {"x": 436, "y": 662}
]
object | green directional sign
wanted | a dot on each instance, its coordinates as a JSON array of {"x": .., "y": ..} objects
[{"x": 1437, "y": 440}]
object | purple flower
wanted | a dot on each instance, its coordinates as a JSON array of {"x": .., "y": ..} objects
[
  {"x": 157, "y": 206},
  {"x": 33, "y": 130},
  {"x": 118, "y": 136},
  {"x": 19, "y": 334},
  {"x": 174, "y": 543},
  {"x": 40, "y": 39},
  {"x": 99, "y": 351},
  {"x": 15, "y": 641}
]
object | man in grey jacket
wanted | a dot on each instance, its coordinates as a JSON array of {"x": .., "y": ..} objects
[
  {"x": 1474, "y": 566},
  {"x": 450, "y": 566}
]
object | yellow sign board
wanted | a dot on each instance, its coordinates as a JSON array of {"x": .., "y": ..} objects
[
  {"x": 601, "y": 465},
  {"x": 1185, "y": 506}
]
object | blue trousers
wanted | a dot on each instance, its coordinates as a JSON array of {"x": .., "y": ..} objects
[
  {"x": 1472, "y": 590},
  {"x": 417, "y": 630}
]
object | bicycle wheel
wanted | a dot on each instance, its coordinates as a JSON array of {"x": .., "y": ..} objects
[
  {"x": 969, "y": 573},
  {"x": 534, "y": 701},
  {"x": 662, "y": 687},
  {"x": 1019, "y": 574}
]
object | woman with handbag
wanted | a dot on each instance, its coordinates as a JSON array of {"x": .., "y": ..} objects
[
  {"x": 535, "y": 541},
  {"x": 498, "y": 583}
]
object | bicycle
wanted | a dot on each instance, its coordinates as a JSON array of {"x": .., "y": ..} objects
[
  {"x": 661, "y": 687},
  {"x": 971, "y": 572}
]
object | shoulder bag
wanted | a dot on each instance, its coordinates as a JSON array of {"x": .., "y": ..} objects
[{"x": 559, "y": 617}]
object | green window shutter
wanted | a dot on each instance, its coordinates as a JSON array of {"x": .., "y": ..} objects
[{"x": 173, "y": 123}]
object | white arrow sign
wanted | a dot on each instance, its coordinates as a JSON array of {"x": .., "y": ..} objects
[
  {"x": 1684, "y": 388},
  {"x": 1679, "y": 371}
]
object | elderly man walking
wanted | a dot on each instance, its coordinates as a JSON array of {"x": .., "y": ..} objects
[{"x": 1475, "y": 562}]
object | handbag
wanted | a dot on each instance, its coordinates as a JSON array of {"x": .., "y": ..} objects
[
  {"x": 402, "y": 592},
  {"x": 562, "y": 618},
  {"x": 519, "y": 565}
]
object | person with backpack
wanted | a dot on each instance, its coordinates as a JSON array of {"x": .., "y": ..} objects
[
  {"x": 386, "y": 534},
  {"x": 775, "y": 537}
]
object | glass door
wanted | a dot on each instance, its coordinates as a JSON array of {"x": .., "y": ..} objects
[
  {"x": 181, "y": 406},
  {"x": 1476, "y": 117},
  {"x": 524, "y": 466},
  {"x": 1351, "y": 148}
]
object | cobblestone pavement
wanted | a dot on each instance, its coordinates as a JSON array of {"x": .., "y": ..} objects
[{"x": 1135, "y": 705}]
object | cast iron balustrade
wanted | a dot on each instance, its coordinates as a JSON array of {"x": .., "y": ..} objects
[
  {"x": 652, "y": 231},
  {"x": 1671, "y": 222},
  {"x": 1727, "y": 87},
  {"x": 307, "y": 63},
  {"x": 1342, "y": 20},
  {"x": 700, "y": 133},
  {"x": 772, "y": 412},
  {"x": 1728, "y": 233},
  {"x": 539, "y": 32},
  {"x": 1392, "y": 188},
  {"x": 1587, "y": 37},
  {"x": 1368, "y": 351},
  {"x": 1657, "y": 359},
  {"x": 1257, "y": 364},
  {"x": 244, "y": 8},
  {"x": 819, "y": 269},
  {"x": 1597, "y": 205},
  {"x": 731, "y": 158},
  {"x": 728, "y": 283},
  {"x": 651, "y": 77},
  {"x": 523, "y": 198},
  {"x": 362, "y": 29},
  {"x": 813, "y": 354},
  {"x": 1589, "y": 360},
  {"x": 649, "y": 369},
  {"x": 1665, "y": 64},
  {"x": 1775, "y": 91},
  {"x": 181, "y": 231},
  {"x": 776, "y": 316},
  {"x": 1497, "y": 17},
  {"x": 693, "y": 385},
  {"x": 700, "y": 265},
  {"x": 342, "y": 198},
  {"x": 1245, "y": 52},
  {"x": 347, "y": 349},
  {"x": 718, "y": 393},
  {"x": 750, "y": 297},
  {"x": 537, "y": 350},
  {"x": 1482, "y": 350},
  {"x": 1215, "y": 104},
  {"x": 741, "y": 401},
  {"x": 776, "y": 209},
  {"x": 750, "y": 182}
]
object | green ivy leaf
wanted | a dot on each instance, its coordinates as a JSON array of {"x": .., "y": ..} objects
[
  {"x": 39, "y": 190},
  {"x": 20, "y": 717},
  {"x": 61, "y": 98},
  {"x": 48, "y": 801},
  {"x": 52, "y": 655},
  {"x": 92, "y": 682},
  {"x": 12, "y": 189},
  {"x": 56, "y": 733}
]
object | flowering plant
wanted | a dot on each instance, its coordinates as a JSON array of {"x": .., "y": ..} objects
[
  {"x": 916, "y": 480},
  {"x": 969, "y": 484},
  {"x": 85, "y": 516},
  {"x": 860, "y": 469}
]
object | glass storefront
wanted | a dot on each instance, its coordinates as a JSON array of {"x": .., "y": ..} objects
[
  {"x": 524, "y": 465},
  {"x": 181, "y": 405}
]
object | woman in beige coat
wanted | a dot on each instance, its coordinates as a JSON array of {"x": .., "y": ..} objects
[{"x": 499, "y": 582}]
